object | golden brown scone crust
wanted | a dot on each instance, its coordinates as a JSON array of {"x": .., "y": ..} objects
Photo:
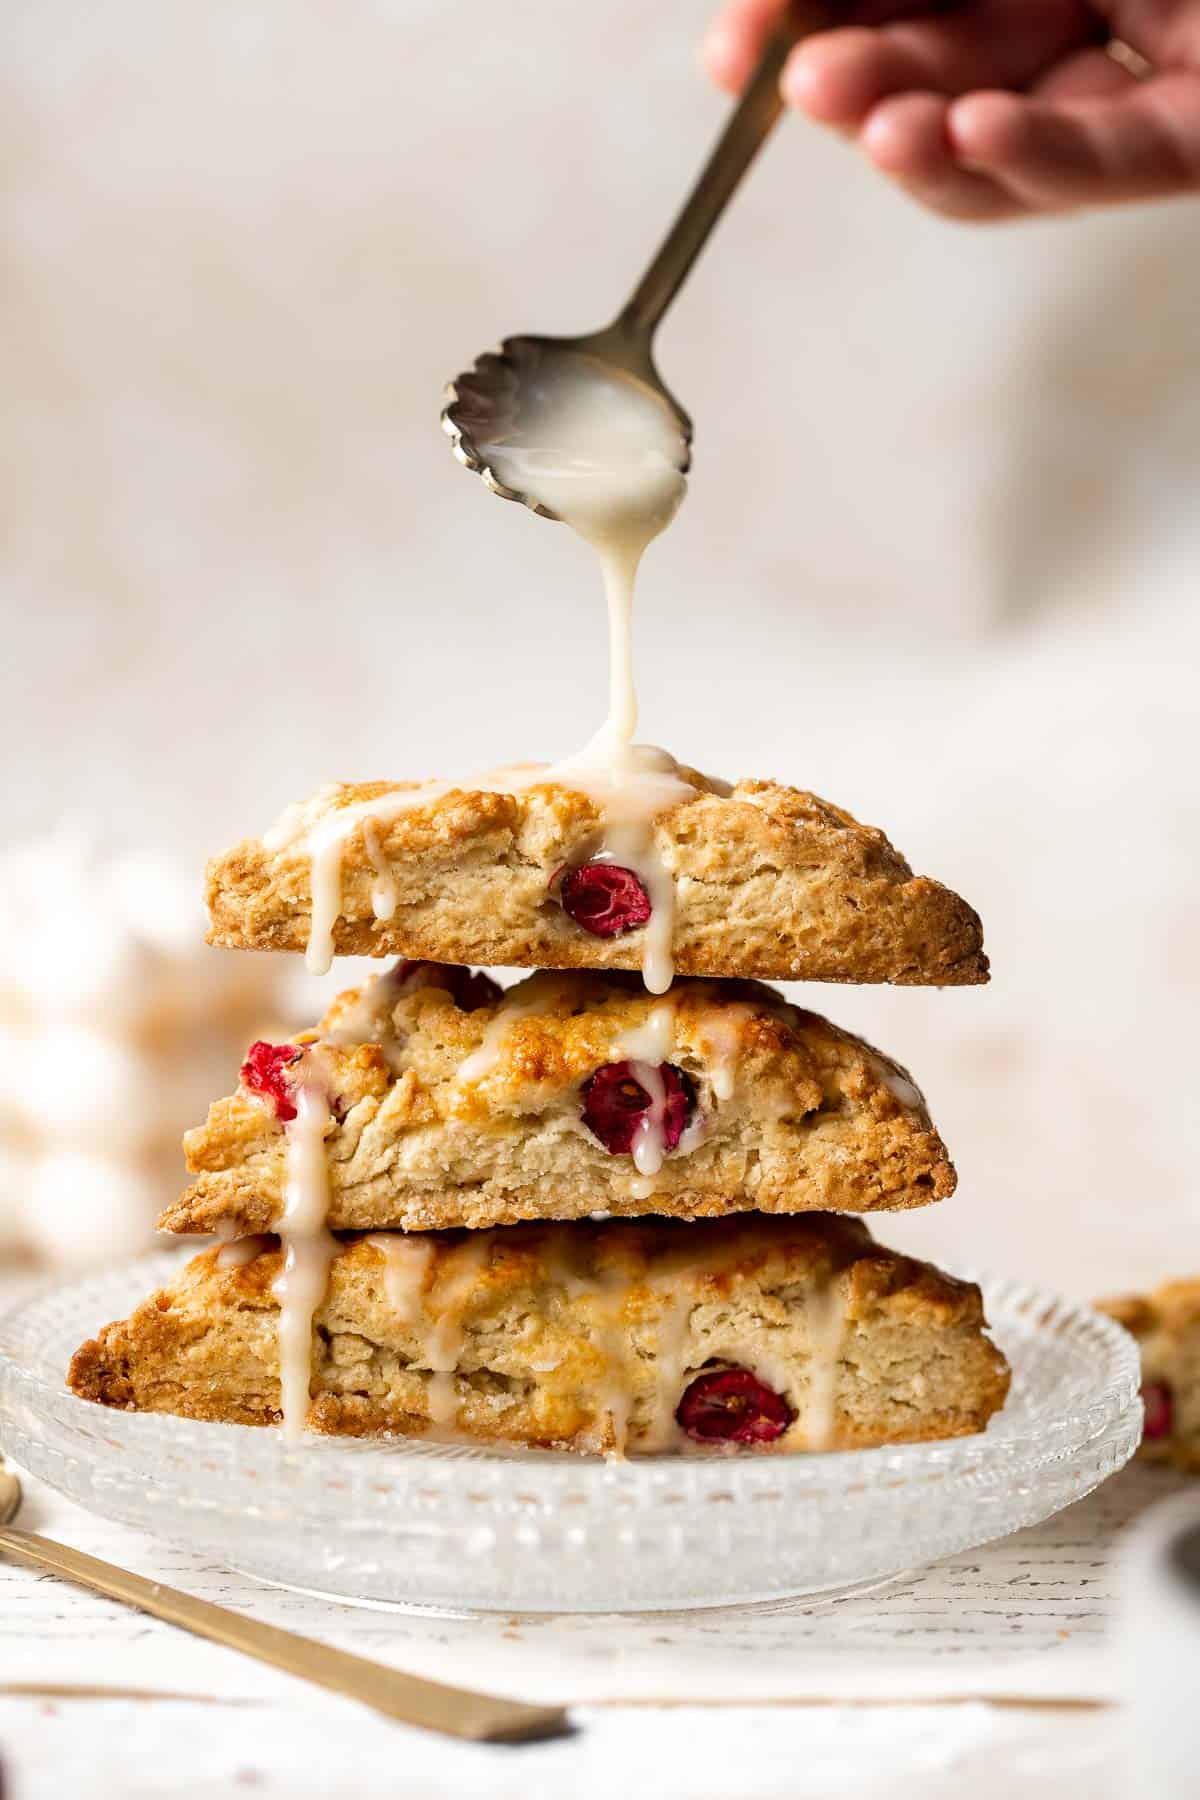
[
  {"x": 1166, "y": 1325},
  {"x": 771, "y": 882},
  {"x": 795, "y": 1114},
  {"x": 557, "y": 1326}
]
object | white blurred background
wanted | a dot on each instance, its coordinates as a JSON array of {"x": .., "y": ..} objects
[{"x": 938, "y": 561}]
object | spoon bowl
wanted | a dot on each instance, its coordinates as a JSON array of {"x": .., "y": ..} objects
[{"x": 484, "y": 405}]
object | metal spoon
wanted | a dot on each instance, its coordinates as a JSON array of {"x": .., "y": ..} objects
[
  {"x": 481, "y": 403},
  {"x": 456, "y": 1712}
]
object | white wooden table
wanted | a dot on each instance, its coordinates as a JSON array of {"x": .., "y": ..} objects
[{"x": 988, "y": 1672}]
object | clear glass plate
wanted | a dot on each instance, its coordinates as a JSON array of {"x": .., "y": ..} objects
[{"x": 398, "y": 1522}]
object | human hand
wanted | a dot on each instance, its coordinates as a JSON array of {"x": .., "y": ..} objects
[{"x": 998, "y": 109}]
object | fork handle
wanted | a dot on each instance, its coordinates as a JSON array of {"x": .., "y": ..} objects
[
  {"x": 457, "y": 1712},
  {"x": 734, "y": 151}
]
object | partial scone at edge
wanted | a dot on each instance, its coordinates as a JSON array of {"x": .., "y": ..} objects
[
  {"x": 585, "y": 1336},
  {"x": 771, "y": 882},
  {"x": 1166, "y": 1325},
  {"x": 788, "y": 1113}
]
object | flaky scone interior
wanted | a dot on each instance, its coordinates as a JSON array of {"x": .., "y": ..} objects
[
  {"x": 788, "y": 1333},
  {"x": 764, "y": 881},
  {"x": 451, "y": 1104},
  {"x": 1166, "y": 1324}
]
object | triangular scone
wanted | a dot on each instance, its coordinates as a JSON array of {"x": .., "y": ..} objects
[
  {"x": 1166, "y": 1324},
  {"x": 451, "y": 1106},
  {"x": 769, "y": 882},
  {"x": 789, "y": 1334}
]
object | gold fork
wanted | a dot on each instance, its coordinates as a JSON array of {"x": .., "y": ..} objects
[{"x": 457, "y": 1712}]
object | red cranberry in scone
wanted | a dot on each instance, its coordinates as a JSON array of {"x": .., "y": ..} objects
[
  {"x": 615, "y": 1103},
  {"x": 266, "y": 1071},
  {"x": 603, "y": 898},
  {"x": 732, "y": 1406},
  {"x": 1158, "y": 1404}
]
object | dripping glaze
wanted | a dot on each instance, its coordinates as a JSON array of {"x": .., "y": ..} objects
[
  {"x": 645, "y": 1049},
  {"x": 606, "y": 456},
  {"x": 308, "y": 1246}
]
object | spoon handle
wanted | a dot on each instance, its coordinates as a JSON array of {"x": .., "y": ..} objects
[
  {"x": 457, "y": 1712},
  {"x": 745, "y": 133}
]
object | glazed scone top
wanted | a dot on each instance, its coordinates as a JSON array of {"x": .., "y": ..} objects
[
  {"x": 553, "y": 1029},
  {"x": 637, "y": 1257},
  {"x": 585, "y": 1336},
  {"x": 768, "y": 881},
  {"x": 453, "y": 1104}
]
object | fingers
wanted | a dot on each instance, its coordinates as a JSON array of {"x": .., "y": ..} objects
[
  {"x": 1143, "y": 142},
  {"x": 1088, "y": 75},
  {"x": 907, "y": 139},
  {"x": 926, "y": 97},
  {"x": 735, "y": 38},
  {"x": 839, "y": 77}
]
